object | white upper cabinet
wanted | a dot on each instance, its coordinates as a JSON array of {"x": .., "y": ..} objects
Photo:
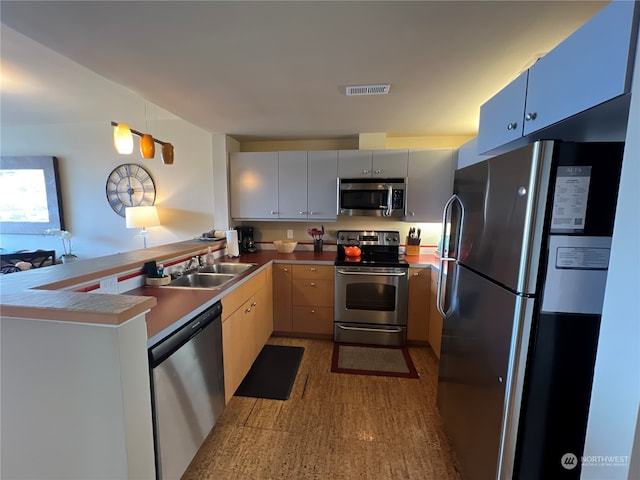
[
  {"x": 372, "y": 163},
  {"x": 283, "y": 185},
  {"x": 430, "y": 183},
  {"x": 292, "y": 190},
  {"x": 591, "y": 67},
  {"x": 253, "y": 185},
  {"x": 501, "y": 118},
  {"x": 322, "y": 186}
]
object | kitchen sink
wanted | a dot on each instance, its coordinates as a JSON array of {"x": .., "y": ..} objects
[
  {"x": 228, "y": 268},
  {"x": 202, "y": 280},
  {"x": 211, "y": 276}
]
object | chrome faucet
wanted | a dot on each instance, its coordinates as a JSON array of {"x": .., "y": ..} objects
[{"x": 194, "y": 262}]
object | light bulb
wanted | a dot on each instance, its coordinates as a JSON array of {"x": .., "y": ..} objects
[{"x": 123, "y": 139}]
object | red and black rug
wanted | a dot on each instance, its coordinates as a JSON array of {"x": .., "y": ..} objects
[{"x": 372, "y": 360}]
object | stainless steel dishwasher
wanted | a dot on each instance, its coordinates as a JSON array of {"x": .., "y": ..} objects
[{"x": 187, "y": 390}]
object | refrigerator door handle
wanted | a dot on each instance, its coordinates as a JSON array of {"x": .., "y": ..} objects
[{"x": 447, "y": 207}]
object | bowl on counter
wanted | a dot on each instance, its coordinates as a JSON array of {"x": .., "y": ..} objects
[{"x": 285, "y": 246}]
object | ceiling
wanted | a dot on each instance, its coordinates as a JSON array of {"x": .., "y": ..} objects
[{"x": 274, "y": 70}]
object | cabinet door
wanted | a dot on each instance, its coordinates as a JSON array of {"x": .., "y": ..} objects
[
  {"x": 322, "y": 186},
  {"x": 389, "y": 163},
  {"x": 591, "y": 66},
  {"x": 238, "y": 347},
  {"x": 418, "y": 318},
  {"x": 282, "y": 305},
  {"x": 263, "y": 316},
  {"x": 292, "y": 181},
  {"x": 253, "y": 183},
  {"x": 314, "y": 320},
  {"x": 355, "y": 163},
  {"x": 429, "y": 184},
  {"x": 435, "y": 320},
  {"x": 501, "y": 117}
]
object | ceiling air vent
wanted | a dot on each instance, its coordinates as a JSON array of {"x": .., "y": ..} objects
[{"x": 380, "y": 89}]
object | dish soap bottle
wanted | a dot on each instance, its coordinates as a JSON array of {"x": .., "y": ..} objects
[{"x": 210, "y": 259}]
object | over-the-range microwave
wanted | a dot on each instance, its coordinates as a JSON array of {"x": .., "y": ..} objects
[{"x": 372, "y": 197}]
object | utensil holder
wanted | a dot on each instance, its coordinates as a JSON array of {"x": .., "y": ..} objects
[{"x": 317, "y": 245}]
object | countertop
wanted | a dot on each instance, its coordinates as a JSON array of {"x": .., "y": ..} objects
[{"x": 49, "y": 293}]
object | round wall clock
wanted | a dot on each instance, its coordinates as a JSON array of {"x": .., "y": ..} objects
[{"x": 130, "y": 185}]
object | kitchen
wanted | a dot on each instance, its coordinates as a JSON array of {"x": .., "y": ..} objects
[{"x": 179, "y": 209}]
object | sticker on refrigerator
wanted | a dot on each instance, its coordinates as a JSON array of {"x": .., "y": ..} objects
[
  {"x": 582, "y": 258},
  {"x": 570, "y": 199}
]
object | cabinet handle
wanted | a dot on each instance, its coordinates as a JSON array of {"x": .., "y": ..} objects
[
  {"x": 416, "y": 274},
  {"x": 312, "y": 213},
  {"x": 313, "y": 269},
  {"x": 273, "y": 212},
  {"x": 253, "y": 304},
  {"x": 377, "y": 172},
  {"x": 285, "y": 269},
  {"x": 512, "y": 126},
  {"x": 312, "y": 284},
  {"x": 530, "y": 116},
  {"x": 302, "y": 213},
  {"x": 366, "y": 171},
  {"x": 412, "y": 214},
  {"x": 313, "y": 311},
  {"x": 247, "y": 310}
]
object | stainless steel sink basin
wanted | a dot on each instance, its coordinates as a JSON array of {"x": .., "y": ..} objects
[
  {"x": 202, "y": 280},
  {"x": 230, "y": 268}
]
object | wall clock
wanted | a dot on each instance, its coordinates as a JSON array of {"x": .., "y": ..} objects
[{"x": 130, "y": 185}]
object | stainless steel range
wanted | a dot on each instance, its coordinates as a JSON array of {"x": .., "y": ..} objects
[{"x": 371, "y": 290}]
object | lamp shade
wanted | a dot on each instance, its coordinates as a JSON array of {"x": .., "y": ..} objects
[
  {"x": 141, "y": 217},
  {"x": 147, "y": 146},
  {"x": 123, "y": 139}
]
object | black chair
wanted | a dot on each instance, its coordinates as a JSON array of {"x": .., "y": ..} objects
[{"x": 39, "y": 258}]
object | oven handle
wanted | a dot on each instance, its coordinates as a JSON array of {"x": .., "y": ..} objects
[
  {"x": 454, "y": 198},
  {"x": 376, "y": 330},
  {"x": 377, "y": 274},
  {"x": 390, "y": 200}
]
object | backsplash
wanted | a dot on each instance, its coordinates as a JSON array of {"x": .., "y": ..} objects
[{"x": 266, "y": 232}]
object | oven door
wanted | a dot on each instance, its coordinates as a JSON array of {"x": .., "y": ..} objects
[{"x": 371, "y": 295}]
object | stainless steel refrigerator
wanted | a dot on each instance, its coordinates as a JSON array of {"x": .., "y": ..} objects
[{"x": 521, "y": 292}]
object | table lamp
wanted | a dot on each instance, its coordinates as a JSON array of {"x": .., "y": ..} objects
[{"x": 142, "y": 217}]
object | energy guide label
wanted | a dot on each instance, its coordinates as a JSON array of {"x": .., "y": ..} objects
[
  {"x": 582, "y": 258},
  {"x": 570, "y": 199}
]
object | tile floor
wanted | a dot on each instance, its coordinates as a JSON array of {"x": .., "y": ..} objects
[{"x": 334, "y": 426}]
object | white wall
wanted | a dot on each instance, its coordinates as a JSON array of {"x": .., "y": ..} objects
[
  {"x": 613, "y": 416},
  {"x": 185, "y": 190}
]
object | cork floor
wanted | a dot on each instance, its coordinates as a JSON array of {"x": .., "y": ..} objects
[{"x": 334, "y": 426}]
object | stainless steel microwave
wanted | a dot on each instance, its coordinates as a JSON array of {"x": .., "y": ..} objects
[{"x": 372, "y": 197}]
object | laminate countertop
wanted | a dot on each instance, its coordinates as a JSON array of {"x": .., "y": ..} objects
[{"x": 55, "y": 292}]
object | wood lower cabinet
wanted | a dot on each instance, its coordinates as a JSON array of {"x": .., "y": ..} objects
[
  {"x": 247, "y": 324},
  {"x": 282, "y": 305},
  {"x": 419, "y": 305},
  {"x": 435, "y": 320},
  {"x": 312, "y": 299}
]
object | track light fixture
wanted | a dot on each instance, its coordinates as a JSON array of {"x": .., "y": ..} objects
[{"x": 123, "y": 140}]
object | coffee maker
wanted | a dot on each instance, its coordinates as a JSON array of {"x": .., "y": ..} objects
[{"x": 247, "y": 244}]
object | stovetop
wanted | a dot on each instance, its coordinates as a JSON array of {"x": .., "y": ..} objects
[{"x": 378, "y": 248}]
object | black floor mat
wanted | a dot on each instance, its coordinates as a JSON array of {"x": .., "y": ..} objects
[{"x": 272, "y": 373}]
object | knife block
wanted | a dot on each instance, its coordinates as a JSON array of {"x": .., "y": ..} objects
[{"x": 412, "y": 246}]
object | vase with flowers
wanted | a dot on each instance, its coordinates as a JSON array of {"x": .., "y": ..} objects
[
  {"x": 65, "y": 237},
  {"x": 317, "y": 238}
]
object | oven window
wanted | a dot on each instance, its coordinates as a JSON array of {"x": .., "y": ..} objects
[
  {"x": 363, "y": 199},
  {"x": 371, "y": 296}
]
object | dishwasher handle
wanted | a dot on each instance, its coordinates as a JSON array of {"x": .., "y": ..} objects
[{"x": 163, "y": 350}]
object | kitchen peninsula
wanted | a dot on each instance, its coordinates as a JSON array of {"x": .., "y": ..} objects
[{"x": 75, "y": 379}]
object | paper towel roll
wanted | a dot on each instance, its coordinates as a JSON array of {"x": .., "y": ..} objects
[{"x": 233, "y": 249}]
